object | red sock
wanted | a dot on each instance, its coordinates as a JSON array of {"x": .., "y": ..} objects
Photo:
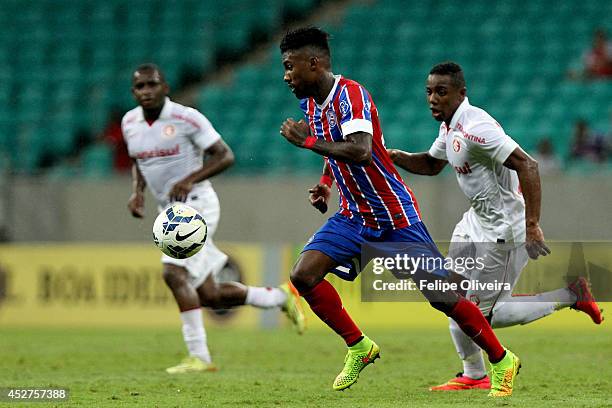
[
  {"x": 473, "y": 323},
  {"x": 326, "y": 303}
]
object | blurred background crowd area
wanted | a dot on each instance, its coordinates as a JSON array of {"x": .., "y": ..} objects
[{"x": 542, "y": 68}]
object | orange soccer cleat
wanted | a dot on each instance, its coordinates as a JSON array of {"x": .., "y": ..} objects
[
  {"x": 586, "y": 302},
  {"x": 462, "y": 382}
]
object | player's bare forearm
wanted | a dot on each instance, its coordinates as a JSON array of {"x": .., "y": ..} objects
[
  {"x": 138, "y": 181},
  {"x": 357, "y": 148},
  {"x": 136, "y": 201},
  {"x": 417, "y": 163},
  {"x": 529, "y": 178},
  {"x": 219, "y": 158},
  {"x": 327, "y": 170}
]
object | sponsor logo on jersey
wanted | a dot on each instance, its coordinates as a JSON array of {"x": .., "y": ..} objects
[
  {"x": 465, "y": 169},
  {"x": 148, "y": 154},
  {"x": 466, "y": 135},
  {"x": 169, "y": 131}
]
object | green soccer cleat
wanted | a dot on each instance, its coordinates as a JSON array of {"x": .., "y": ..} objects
[
  {"x": 293, "y": 307},
  {"x": 191, "y": 364},
  {"x": 357, "y": 358},
  {"x": 503, "y": 374}
]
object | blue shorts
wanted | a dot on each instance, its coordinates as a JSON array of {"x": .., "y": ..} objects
[{"x": 342, "y": 238}]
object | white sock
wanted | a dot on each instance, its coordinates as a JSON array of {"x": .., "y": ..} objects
[
  {"x": 195, "y": 334},
  {"x": 265, "y": 298},
  {"x": 526, "y": 309},
  {"x": 474, "y": 366},
  {"x": 473, "y": 363}
]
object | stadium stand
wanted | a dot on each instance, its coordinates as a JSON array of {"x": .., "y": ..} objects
[
  {"x": 63, "y": 65},
  {"x": 517, "y": 75}
]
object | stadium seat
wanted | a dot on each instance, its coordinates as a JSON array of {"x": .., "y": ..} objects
[
  {"x": 97, "y": 161},
  {"x": 91, "y": 47},
  {"x": 57, "y": 57}
]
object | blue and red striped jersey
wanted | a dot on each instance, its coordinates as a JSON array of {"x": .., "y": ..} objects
[{"x": 374, "y": 194}]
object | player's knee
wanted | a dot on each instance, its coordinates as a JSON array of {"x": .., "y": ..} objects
[
  {"x": 310, "y": 270},
  {"x": 443, "y": 301},
  {"x": 444, "y": 307},
  {"x": 438, "y": 306},
  {"x": 303, "y": 280},
  {"x": 504, "y": 315},
  {"x": 175, "y": 277},
  {"x": 210, "y": 298}
]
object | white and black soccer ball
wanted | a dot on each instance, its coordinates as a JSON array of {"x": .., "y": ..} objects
[{"x": 179, "y": 231}]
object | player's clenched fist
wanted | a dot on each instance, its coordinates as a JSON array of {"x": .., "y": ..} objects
[
  {"x": 295, "y": 132},
  {"x": 136, "y": 205},
  {"x": 180, "y": 191},
  {"x": 393, "y": 153},
  {"x": 319, "y": 196}
]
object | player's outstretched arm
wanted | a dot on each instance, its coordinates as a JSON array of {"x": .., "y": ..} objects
[
  {"x": 219, "y": 157},
  {"x": 136, "y": 201},
  {"x": 417, "y": 163},
  {"x": 529, "y": 178},
  {"x": 356, "y": 147}
]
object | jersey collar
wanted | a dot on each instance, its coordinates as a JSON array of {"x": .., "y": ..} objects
[
  {"x": 462, "y": 108},
  {"x": 164, "y": 114},
  {"x": 331, "y": 93}
]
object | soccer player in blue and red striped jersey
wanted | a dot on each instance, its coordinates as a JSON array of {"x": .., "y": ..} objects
[
  {"x": 342, "y": 125},
  {"x": 373, "y": 195}
]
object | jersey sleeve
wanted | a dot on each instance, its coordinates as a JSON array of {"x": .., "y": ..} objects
[
  {"x": 438, "y": 148},
  {"x": 124, "y": 125},
  {"x": 204, "y": 134},
  {"x": 123, "y": 122},
  {"x": 355, "y": 112},
  {"x": 491, "y": 140}
]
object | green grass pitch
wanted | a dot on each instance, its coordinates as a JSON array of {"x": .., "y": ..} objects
[{"x": 567, "y": 367}]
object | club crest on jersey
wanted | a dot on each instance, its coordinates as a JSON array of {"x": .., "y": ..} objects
[
  {"x": 331, "y": 118},
  {"x": 456, "y": 145},
  {"x": 344, "y": 108},
  {"x": 169, "y": 131}
]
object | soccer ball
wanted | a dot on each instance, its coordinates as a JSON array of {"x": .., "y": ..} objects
[{"x": 179, "y": 231}]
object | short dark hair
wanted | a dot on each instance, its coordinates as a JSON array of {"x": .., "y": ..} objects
[
  {"x": 149, "y": 66},
  {"x": 305, "y": 37},
  {"x": 451, "y": 69}
]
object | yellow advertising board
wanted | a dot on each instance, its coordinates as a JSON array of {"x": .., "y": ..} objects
[
  {"x": 591, "y": 259},
  {"x": 94, "y": 285},
  {"x": 121, "y": 285}
]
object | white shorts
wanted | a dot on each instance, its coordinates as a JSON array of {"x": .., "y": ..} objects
[
  {"x": 503, "y": 263},
  {"x": 210, "y": 259}
]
